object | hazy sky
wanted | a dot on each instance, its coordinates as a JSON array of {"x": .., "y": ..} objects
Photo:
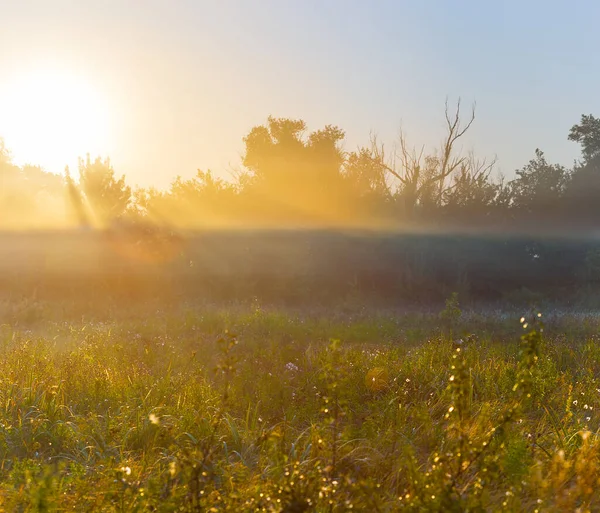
[{"x": 184, "y": 81}]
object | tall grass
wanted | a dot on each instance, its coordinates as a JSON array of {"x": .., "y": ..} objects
[{"x": 261, "y": 410}]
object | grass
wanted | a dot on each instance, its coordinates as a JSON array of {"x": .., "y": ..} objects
[{"x": 251, "y": 409}]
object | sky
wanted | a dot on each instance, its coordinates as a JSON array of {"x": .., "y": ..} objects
[{"x": 176, "y": 84}]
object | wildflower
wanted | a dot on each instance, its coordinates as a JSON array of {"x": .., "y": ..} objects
[
  {"x": 126, "y": 470},
  {"x": 154, "y": 419},
  {"x": 291, "y": 367}
]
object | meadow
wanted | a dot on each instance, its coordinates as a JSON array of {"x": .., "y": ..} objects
[
  {"x": 254, "y": 408},
  {"x": 284, "y": 317}
]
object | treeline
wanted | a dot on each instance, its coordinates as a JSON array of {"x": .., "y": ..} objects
[{"x": 294, "y": 178}]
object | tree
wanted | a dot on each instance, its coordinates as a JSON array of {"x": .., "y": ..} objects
[
  {"x": 292, "y": 174},
  {"x": 108, "y": 196},
  {"x": 539, "y": 187},
  {"x": 29, "y": 196},
  {"x": 367, "y": 187},
  {"x": 472, "y": 196},
  {"x": 16, "y": 201},
  {"x": 583, "y": 191},
  {"x": 587, "y": 134},
  {"x": 366, "y": 175},
  {"x": 204, "y": 199},
  {"x": 423, "y": 180}
]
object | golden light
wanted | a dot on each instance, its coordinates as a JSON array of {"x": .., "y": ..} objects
[{"x": 50, "y": 117}]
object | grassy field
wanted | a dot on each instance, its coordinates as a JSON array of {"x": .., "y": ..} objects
[{"x": 254, "y": 409}]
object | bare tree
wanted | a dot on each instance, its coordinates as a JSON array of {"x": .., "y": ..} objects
[
  {"x": 417, "y": 175},
  {"x": 456, "y": 130}
]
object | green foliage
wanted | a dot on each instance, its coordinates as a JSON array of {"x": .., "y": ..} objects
[{"x": 149, "y": 413}]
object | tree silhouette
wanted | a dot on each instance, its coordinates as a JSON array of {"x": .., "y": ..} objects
[
  {"x": 422, "y": 179},
  {"x": 583, "y": 191},
  {"x": 202, "y": 200},
  {"x": 587, "y": 133},
  {"x": 290, "y": 173},
  {"x": 14, "y": 200},
  {"x": 472, "y": 195},
  {"x": 539, "y": 186},
  {"x": 365, "y": 174},
  {"x": 292, "y": 176},
  {"x": 108, "y": 196}
]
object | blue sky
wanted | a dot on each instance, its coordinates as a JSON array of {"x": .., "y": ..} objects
[{"x": 186, "y": 80}]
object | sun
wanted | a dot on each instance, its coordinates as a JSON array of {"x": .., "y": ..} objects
[{"x": 50, "y": 117}]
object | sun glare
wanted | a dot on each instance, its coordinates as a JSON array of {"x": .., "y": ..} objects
[{"x": 50, "y": 118}]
